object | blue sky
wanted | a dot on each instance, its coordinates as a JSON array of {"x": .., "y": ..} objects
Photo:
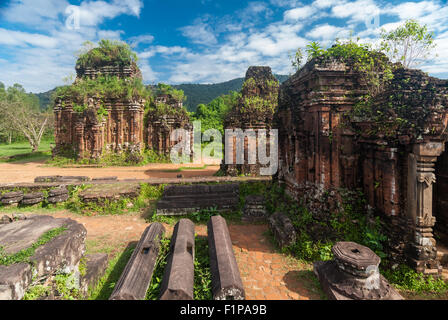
[{"x": 195, "y": 41}]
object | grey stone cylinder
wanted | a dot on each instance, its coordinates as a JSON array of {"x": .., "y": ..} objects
[
  {"x": 178, "y": 279},
  {"x": 226, "y": 279}
]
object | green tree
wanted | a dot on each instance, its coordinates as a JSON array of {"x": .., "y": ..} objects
[
  {"x": 409, "y": 44},
  {"x": 213, "y": 114},
  {"x": 20, "y": 114}
]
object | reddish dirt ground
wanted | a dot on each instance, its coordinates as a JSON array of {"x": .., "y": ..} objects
[
  {"x": 26, "y": 172},
  {"x": 266, "y": 274}
]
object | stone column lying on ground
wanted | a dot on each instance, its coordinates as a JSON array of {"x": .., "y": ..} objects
[
  {"x": 178, "y": 278},
  {"x": 226, "y": 279},
  {"x": 136, "y": 277}
]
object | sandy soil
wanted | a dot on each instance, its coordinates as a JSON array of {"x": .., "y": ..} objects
[{"x": 26, "y": 172}]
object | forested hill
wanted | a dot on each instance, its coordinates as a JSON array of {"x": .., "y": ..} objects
[
  {"x": 204, "y": 93},
  {"x": 196, "y": 93}
]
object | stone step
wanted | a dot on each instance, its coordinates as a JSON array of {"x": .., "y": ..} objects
[{"x": 180, "y": 200}]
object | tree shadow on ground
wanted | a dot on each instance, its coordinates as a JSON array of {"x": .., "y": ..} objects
[
  {"x": 115, "y": 273},
  {"x": 304, "y": 283}
]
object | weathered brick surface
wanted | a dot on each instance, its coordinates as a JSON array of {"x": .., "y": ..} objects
[
  {"x": 393, "y": 161},
  {"x": 260, "y": 83}
]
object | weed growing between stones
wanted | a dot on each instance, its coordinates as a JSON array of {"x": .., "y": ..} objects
[
  {"x": 25, "y": 254},
  {"x": 202, "y": 273},
  {"x": 153, "y": 292},
  {"x": 147, "y": 194}
]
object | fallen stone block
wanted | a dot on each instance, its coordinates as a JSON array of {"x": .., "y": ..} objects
[
  {"x": 354, "y": 275},
  {"x": 185, "y": 199},
  {"x": 47, "y": 179},
  {"x": 282, "y": 228},
  {"x": 58, "y": 192},
  {"x": 62, "y": 253},
  {"x": 178, "y": 279},
  {"x": 226, "y": 279},
  {"x": 14, "y": 281},
  {"x": 32, "y": 198},
  {"x": 73, "y": 179},
  {"x": 96, "y": 265},
  {"x": 58, "y": 199},
  {"x": 105, "y": 179},
  {"x": 136, "y": 277},
  {"x": 11, "y": 198}
]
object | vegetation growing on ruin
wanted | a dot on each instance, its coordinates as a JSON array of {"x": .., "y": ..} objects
[
  {"x": 108, "y": 52},
  {"x": 124, "y": 205},
  {"x": 103, "y": 87},
  {"x": 266, "y": 103},
  {"x": 25, "y": 254},
  {"x": 373, "y": 66}
]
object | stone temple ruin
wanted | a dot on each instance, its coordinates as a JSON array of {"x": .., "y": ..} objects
[
  {"x": 161, "y": 122},
  {"x": 254, "y": 111},
  {"x": 115, "y": 124},
  {"x": 398, "y": 162}
]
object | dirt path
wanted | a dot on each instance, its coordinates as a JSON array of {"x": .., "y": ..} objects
[
  {"x": 26, "y": 172},
  {"x": 266, "y": 274}
]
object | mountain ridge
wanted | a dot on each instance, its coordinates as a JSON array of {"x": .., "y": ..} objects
[{"x": 196, "y": 93}]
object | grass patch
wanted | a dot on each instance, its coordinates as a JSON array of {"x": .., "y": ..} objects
[
  {"x": 21, "y": 152},
  {"x": 153, "y": 292},
  {"x": 123, "y": 159},
  {"x": 202, "y": 274},
  {"x": 148, "y": 193},
  {"x": 107, "y": 283},
  {"x": 406, "y": 279},
  {"x": 25, "y": 254}
]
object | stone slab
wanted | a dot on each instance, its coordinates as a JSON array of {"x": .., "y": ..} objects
[
  {"x": 96, "y": 265},
  {"x": 178, "y": 278},
  {"x": 226, "y": 278},
  {"x": 20, "y": 235},
  {"x": 136, "y": 277},
  {"x": 116, "y": 191},
  {"x": 62, "y": 253},
  {"x": 14, "y": 281}
]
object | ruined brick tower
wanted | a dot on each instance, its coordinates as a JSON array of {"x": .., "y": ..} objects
[
  {"x": 253, "y": 112},
  {"x": 91, "y": 124},
  {"x": 398, "y": 161},
  {"x": 167, "y": 115},
  {"x": 108, "y": 109}
]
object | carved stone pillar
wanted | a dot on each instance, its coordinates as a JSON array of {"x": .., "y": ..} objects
[
  {"x": 421, "y": 177},
  {"x": 79, "y": 134}
]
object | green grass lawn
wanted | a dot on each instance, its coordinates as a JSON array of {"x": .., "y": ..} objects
[{"x": 21, "y": 151}]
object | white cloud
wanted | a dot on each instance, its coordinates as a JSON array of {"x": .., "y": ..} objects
[
  {"x": 18, "y": 38},
  {"x": 200, "y": 33},
  {"x": 299, "y": 13},
  {"x": 327, "y": 32}
]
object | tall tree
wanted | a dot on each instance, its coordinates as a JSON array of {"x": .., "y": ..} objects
[
  {"x": 19, "y": 112},
  {"x": 409, "y": 44}
]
